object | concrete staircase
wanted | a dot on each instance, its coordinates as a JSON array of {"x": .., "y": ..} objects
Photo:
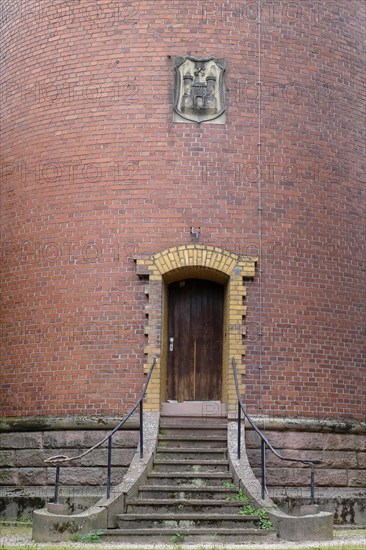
[{"x": 189, "y": 496}]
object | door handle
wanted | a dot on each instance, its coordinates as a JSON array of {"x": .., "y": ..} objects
[{"x": 171, "y": 343}]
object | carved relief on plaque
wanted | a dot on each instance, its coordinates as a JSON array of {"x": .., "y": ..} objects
[{"x": 199, "y": 94}]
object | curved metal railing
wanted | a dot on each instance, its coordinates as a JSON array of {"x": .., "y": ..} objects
[
  {"x": 265, "y": 443},
  {"x": 58, "y": 460}
]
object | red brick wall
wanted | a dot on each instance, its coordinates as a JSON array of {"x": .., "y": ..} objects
[{"x": 94, "y": 169}]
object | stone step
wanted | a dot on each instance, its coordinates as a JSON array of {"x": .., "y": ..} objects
[
  {"x": 196, "y": 409},
  {"x": 212, "y": 492},
  {"x": 197, "y": 421},
  {"x": 149, "y": 506},
  {"x": 193, "y": 430},
  {"x": 192, "y": 478},
  {"x": 183, "y": 520},
  {"x": 162, "y": 465},
  {"x": 189, "y": 440},
  {"x": 190, "y": 536},
  {"x": 192, "y": 454}
]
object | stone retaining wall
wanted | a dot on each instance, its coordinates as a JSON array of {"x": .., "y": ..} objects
[
  {"x": 343, "y": 456},
  {"x": 340, "y": 480},
  {"x": 27, "y": 482},
  {"x": 23, "y": 454}
]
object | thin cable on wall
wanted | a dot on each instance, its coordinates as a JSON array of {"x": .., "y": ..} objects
[{"x": 260, "y": 202}]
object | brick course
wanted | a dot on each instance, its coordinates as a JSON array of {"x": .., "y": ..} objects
[{"x": 94, "y": 171}]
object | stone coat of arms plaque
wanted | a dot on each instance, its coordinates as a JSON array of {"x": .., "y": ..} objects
[{"x": 199, "y": 90}]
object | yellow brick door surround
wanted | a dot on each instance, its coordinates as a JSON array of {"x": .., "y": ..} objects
[{"x": 200, "y": 262}]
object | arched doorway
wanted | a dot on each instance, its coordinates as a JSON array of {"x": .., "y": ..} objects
[
  {"x": 195, "y": 340},
  {"x": 174, "y": 266}
]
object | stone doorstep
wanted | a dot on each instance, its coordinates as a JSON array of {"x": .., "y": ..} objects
[
  {"x": 199, "y": 410},
  {"x": 193, "y": 450},
  {"x": 187, "y": 438},
  {"x": 193, "y": 432}
]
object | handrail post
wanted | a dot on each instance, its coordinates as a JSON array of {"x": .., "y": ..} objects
[
  {"x": 312, "y": 487},
  {"x": 141, "y": 429},
  {"x": 57, "y": 483},
  {"x": 109, "y": 468},
  {"x": 239, "y": 430},
  {"x": 263, "y": 467}
]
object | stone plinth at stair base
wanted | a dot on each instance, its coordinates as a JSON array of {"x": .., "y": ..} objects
[
  {"x": 314, "y": 527},
  {"x": 49, "y": 527}
]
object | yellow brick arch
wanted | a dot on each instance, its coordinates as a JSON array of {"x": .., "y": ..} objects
[
  {"x": 195, "y": 256},
  {"x": 204, "y": 262}
]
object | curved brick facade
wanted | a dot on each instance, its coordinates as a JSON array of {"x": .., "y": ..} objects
[{"x": 94, "y": 171}]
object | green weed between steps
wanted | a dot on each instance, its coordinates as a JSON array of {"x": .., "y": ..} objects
[
  {"x": 228, "y": 485},
  {"x": 177, "y": 538},
  {"x": 248, "y": 510}
]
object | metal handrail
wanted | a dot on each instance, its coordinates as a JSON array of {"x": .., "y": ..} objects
[
  {"x": 264, "y": 441},
  {"x": 57, "y": 460}
]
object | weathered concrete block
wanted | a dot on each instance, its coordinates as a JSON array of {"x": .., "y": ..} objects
[
  {"x": 310, "y": 528},
  {"x": 51, "y": 528},
  {"x": 99, "y": 457},
  {"x": 357, "y": 478},
  {"x": 78, "y": 439},
  {"x": 338, "y": 459},
  {"x": 331, "y": 459},
  {"x": 347, "y": 508},
  {"x": 286, "y": 477},
  {"x": 309, "y": 440},
  {"x": 8, "y": 476},
  {"x": 21, "y": 440},
  {"x": 84, "y": 439},
  {"x": 32, "y": 476},
  {"x": 31, "y": 458},
  {"x": 124, "y": 438},
  {"x": 13, "y": 505},
  {"x": 73, "y": 475},
  {"x": 86, "y": 476},
  {"x": 58, "y": 509},
  {"x": 292, "y": 477},
  {"x": 344, "y": 442},
  {"x": 350, "y": 511},
  {"x": 7, "y": 459},
  {"x": 331, "y": 478},
  {"x": 361, "y": 460},
  {"x": 309, "y": 509}
]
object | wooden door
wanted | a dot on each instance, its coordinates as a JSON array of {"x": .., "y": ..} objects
[{"x": 195, "y": 341}]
